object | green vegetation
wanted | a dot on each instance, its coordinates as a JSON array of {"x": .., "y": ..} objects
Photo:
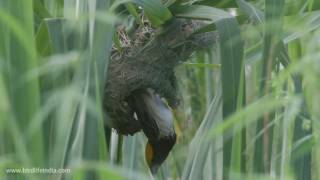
[{"x": 250, "y": 103}]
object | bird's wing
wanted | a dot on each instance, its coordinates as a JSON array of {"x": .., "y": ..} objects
[
  {"x": 153, "y": 113},
  {"x": 140, "y": 101}
]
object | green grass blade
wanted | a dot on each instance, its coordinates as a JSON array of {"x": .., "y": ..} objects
[
  {"x": 200, "y": 146},
  {"x": 202, "y": 12},
  {"x": 40, "y": 10},
  {"x": 302, "y": 163},
  {"x": 251, "y": 11},
  {"x": 101, "y": 32},
  {"x": 272, "y": 37},
  {"x": 20, "y": 56},
  {"x": 297, "y": 26},
  {"x": 202, "y": 65},
  {"x": 51, "y": 37},
  {"x": 231, "y": 52}
]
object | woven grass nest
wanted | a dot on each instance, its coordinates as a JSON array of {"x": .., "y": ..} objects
[{"x": 147, "y": 59}]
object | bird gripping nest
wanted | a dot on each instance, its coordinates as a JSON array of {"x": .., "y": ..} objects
[
  {"x": 141, "y": 75},
  {"x": 148, "y": 61}
]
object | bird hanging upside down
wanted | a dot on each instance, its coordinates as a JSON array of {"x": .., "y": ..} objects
[
  {"x": 156, "y": 120},
  {"x": 141, "y": 75}
]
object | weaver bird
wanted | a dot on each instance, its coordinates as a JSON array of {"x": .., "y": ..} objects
[{"x": 156, "y": 120}]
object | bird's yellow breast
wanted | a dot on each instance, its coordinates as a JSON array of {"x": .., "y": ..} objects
[{"x": 149, "y": 153}]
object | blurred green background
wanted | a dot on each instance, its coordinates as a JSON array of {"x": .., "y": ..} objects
[{"x": 250, "y": 103}]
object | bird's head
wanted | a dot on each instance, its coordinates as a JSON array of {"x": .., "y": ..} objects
[{"x": 157, "y": 151}]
